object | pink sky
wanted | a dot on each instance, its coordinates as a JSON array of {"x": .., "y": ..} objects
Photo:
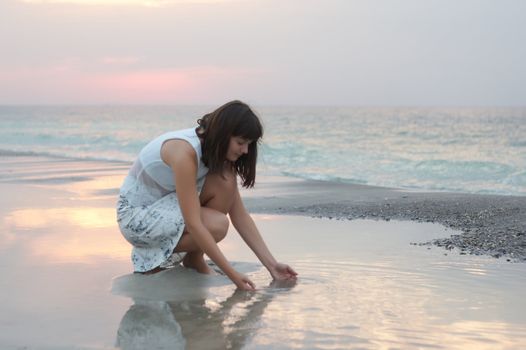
[
  {"x": 191, "y": 85},
  {"x": 336, "y": 52}
]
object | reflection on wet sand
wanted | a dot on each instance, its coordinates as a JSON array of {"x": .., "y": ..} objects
[
  {"x": 196, "y": 323},
  {"x": 95, "y": 187},
  {"x": 83, "y": 217},
  {"x": 65, "y": 234}
]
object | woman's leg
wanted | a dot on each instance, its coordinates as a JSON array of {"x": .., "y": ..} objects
[{"x": 216, "y": 200}]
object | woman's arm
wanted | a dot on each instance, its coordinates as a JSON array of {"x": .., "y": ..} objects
[
  {"x": 181, "y": 157},
  {"x": 248, "y": 230}
]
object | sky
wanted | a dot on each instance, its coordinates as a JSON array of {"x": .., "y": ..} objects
[{"x": 267, "y": 52}]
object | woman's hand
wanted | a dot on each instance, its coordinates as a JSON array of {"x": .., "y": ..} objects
[
  {"x": 282, "y": 272},
  {"x": 243, "y": 282}
]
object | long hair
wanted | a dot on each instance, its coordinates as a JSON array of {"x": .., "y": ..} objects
[{"x": 234, "y": 118}]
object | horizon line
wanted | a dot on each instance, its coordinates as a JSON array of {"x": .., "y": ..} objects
[{"x": 313, "y": 105}]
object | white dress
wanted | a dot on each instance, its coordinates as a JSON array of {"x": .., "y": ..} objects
[{"x": 148, "y": 211}]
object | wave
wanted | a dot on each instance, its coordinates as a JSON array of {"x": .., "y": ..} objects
[
  {"x": 58, "y": 155},
  {"x": 451, "y": 175},
  {"x": 468, "y": 170},
  {"x": 324, "y": 177},
  {"x": 514, "y": 186}
]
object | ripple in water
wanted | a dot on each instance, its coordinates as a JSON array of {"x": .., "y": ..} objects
[{"x": 361, "y": 285}]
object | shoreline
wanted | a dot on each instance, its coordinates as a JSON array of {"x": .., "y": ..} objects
[{"x": 492, "y": 225}]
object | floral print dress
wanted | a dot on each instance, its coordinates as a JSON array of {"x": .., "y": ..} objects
[{"x": 148, "y": 211}]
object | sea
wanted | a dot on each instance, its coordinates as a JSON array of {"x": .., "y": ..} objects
[{"x": 466, "y": 150}]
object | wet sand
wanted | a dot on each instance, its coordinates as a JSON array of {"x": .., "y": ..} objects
[
  {"x": 66, "y": 281},
  {"x": 488, "y": 224}
]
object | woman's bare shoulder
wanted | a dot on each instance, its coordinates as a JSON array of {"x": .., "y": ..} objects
[{"x": 176, "y": 151}]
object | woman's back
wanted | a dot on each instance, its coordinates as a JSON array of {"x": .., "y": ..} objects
[{"x": 150, "y": 178}]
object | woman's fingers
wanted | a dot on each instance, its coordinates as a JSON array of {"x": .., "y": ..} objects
[
  {"x": 251, "y": 284},
  {"x": 244, "y": 283},
  {"x": 291, "y": 271},
  {"x": 283, "y": 271}
]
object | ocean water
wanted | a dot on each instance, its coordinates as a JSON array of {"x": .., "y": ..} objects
[{"x": 475, "y": 150}]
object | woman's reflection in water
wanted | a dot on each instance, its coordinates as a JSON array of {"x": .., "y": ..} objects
[{"x": 195, "y": 324}]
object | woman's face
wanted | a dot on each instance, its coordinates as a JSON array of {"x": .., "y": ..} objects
[{"x": 237, "y": 147}]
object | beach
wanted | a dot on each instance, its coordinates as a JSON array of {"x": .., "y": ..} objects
[
  {"x": 363, "y": 253},
  {"x": 390, "y": 152},
  {"x": 490, "y": 224}
]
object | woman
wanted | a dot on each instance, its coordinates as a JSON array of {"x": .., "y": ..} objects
[{"x": 181, "y": 187}]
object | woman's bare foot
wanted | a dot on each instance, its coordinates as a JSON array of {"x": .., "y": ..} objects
[
  {"x": 153, "y": 271},
  {"x": 197, "y": 262}
]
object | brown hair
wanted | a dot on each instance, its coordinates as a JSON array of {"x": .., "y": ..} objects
[{"x": 234, "y": 118}]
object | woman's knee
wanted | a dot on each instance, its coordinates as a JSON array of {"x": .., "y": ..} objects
[
  {"x": 218, "y": 192},
  {"x": 216, "y": 222}
]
